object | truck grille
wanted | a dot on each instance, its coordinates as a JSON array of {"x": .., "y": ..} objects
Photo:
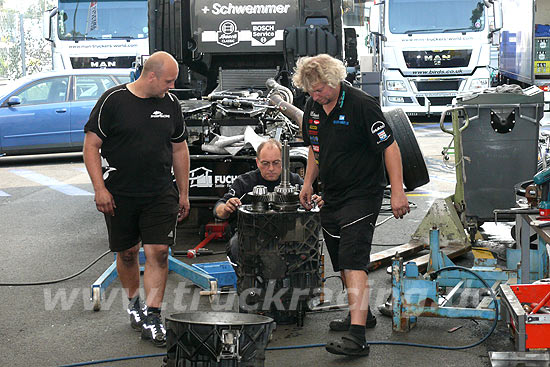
[
  {"x": 97, "y": 63},
  {"x": 436, "y": 101},
  {"x": 437, "y": 59},
  {"x": 436, "y": 85}
]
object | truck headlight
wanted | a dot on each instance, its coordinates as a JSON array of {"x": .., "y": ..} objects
[
  {"x": 395, "y": 85},
  {"x": 479, "y": 84}
]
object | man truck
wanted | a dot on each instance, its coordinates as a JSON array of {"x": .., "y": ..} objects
[
  {"x": 97, "y": 33},
  {"x": 428, "y": 51}
]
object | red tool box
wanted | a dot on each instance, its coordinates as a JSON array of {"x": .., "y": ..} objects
[{"x": 529, "y": 330}]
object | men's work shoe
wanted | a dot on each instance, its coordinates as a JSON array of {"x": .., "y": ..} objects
[
  {"x": 138, "y": 312},
  {"x": 386, "y": 308},
  {"x": 344, "y": 324},
  {"x": 153, "y": 330},
  {"x": 349, "y": 345}
]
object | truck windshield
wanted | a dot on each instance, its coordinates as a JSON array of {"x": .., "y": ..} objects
[
  {"x": 102, "y": 19},
  {"x": 432, "y": 16}
]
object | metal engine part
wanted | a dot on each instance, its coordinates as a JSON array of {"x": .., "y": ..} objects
[
  {"x": 280, "y": 257},
  {"x": 284, "y": 198},
  {"x": 279, "y": 250},
  {"x": 228, "y": 113}
]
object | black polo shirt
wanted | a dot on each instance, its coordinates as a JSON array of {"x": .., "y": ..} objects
[
  {"x": 348, "y": 145},
  {"x": 137, "y": 135}
]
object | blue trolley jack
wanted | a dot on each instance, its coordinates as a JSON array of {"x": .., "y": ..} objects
[
  {"x": 195, "y": 275},
  {"x": 415, "y": 295}
]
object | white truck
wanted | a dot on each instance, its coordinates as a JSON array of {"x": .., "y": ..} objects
[
  {"x": 426, "y": 52},
  {"x": 525, "y": 44},
  {"x": 97, "y": 33}
]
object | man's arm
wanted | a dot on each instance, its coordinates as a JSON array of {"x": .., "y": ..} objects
[
  {"x": 224, "y": 210},
  {"x": 232, "y": 199},
  {"x": 394, "y": 167},
  {"x": 312, "y": 171},
  {"x": 180, "y": 162},
  {"x": 92, "y": 159}
]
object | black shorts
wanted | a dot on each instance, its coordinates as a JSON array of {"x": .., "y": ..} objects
[
  {"x": 151, "y": 220},
  {"x": 348, "y": 232}
]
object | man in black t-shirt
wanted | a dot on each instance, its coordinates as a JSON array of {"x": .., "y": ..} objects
[
  {"x": 134, "y": 137},
  {"x": 349, "y": 142},
  {"x": 268, "y": 174}
]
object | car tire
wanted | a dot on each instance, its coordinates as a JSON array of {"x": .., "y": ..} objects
[{"x": 415, "y": 172}]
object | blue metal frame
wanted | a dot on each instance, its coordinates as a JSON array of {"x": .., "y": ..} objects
[
  {"x": 198, "y": 277},
  {"x": 414, "y": 295}
]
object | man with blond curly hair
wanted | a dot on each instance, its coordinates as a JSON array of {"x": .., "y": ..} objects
[{"x": 350, "y": 144}]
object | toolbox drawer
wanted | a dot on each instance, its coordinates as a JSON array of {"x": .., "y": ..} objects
[{"x": 529, "y": 331}]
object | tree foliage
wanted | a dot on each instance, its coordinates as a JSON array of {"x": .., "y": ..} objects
[{"x": 37, "y": 50}]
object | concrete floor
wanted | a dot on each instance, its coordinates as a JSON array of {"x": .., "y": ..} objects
[{"x": 47, "y": 235}]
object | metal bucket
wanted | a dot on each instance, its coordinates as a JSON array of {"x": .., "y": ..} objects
[{"x": 226, "y": 339}]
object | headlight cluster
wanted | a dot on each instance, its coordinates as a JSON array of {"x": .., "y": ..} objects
[
  {"x": 395, "y": 85},
  {"x": 479, "y": 84}
]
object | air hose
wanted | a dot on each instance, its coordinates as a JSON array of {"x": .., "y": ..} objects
[{"x": 44, "y": 282}]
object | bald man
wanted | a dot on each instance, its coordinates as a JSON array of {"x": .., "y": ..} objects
[{"x": 134, "y": 137}]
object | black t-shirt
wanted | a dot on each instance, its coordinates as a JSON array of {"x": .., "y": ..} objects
[
  {"x": 137, "y": 136},
  {"x": 245, "y": 183},
  {"x": 348, "y": 145}
]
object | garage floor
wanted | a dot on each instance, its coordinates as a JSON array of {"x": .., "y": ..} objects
[{"x": 46, "y": 234}]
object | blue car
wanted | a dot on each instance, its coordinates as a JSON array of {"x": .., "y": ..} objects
[{"x": 46, "y": 112}]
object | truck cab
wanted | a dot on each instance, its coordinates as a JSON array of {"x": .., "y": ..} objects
[
  {"x": 431, "y": 50},
  {"x": 96, "y": 34}
]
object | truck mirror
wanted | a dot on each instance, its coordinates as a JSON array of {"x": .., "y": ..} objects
[
  {"x": 47, "y": 23},
  {"x": 497, "y": 14},
  {"x": 374, "y": 19}
]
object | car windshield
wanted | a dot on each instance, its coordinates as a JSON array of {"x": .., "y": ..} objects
[
  {"x": 102, "y": 19},
  {"x": 431, "y": 16}
]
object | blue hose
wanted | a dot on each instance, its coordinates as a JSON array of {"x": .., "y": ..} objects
[
  {"x": 374, "y": 342},
  {"x": 114, "y": 360}
]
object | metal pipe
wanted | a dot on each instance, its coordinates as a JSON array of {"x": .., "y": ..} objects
[
  {"x": 285, "y": 177},
  {"x": 287, "y": 109},
  {"x": 273, "y": 85}
]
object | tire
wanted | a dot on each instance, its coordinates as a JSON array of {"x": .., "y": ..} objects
[{"x": 415, "y": 172}]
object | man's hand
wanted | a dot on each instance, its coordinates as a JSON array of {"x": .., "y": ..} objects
[
  {"x": 231, "y": 206},
  {"x": 305, "y": 197},
  {"x": 399, "y": 204},
  {"x": 184, "y": 207},
  {"x": 104, "y": 202}
]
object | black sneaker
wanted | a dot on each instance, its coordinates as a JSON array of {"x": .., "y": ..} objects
[
  {"x": 153, "y": 330},
  {"x": 349, "y": 345},
  {"x": 138, "y": 312},
  {"x": 344, "y": 324}
]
